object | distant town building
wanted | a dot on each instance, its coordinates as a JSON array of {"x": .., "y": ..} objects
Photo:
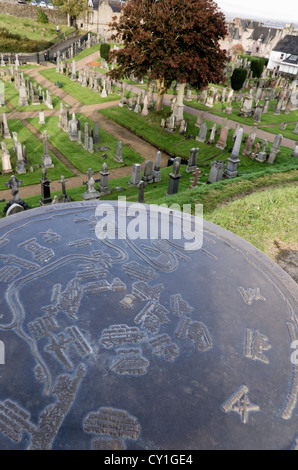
[
  {"x": 99, "y": 16},
  {"x": 255, "y": 38},
  {"x": 284, "y": 56}
]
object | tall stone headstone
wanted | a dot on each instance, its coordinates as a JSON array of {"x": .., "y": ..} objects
[
  {"x": 96, "y": 138},
  {"x": 203, "y": 133},
  {"x": 211, "y": 139},
  {"x": 231, "y": 170},
  {"x": 136, "y": 175},
  {"x": 141, "y": 187},
  {"x": 119, "y": 158},
  {"x": 45, "y": 189},
  {"x": 6, "y": 163},
  {"x": 174, "y": 176},
  {"x": 275, "y": 149},
  {"x": 46, "y": 158},
  {"x": 23, "y": 100},
  {"x": 148, "y": 172},
  {"x": 20, "y": 166},
  {"x": 73, "y": 128},
  {"x": 248, "y": 147},
  {"x": 156, "y": 170},
  {"x": 41, "y": 118},
  {"x": 223, "y": 136},
  {"x": 64, "y": 197},
  {"x": 104, "y": 185},
  {"x": 90, "y": 192},
  {"x": 192, "y": 161},
  {"x": 5, "y": 129}
]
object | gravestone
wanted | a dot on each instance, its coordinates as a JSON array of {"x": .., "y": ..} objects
[
  {"x": 174, "y": 178},
  {"x": 203, "y": 133},
  {"x": 64, "y": 197},
  {"x": 96, "y": 138},
  {"x": 211, "y": 139},
  {"x": 248, "y": 147},
  {"x": 222, "y": 141},
  {"x": 156, "y": 171},
  {"x": 216, "y": 171},
  {"x": 14, "y": 209},
  {"x": 262, "y": 156},
  {"x": 141, "y": 188},
  {"x": 5, "y": 129},
  {"x": 136, "y": 175},
  {"x": 41, "y": 118},
  {"x": 104, "y": 185},
  {"x": 295, "y": 153},
  {"x": 275, "y": 149},
  {"x": 148, "y": 172},
  {"x": 192, "y": 161},
  {"x": 200, "y": 119},
  {"x": 20, "y": 166},
  {"x": 90, "y": 192},
  {"x": 6, "y": 163},
  {"x": 231, "y": 170},
  {"x": 73, "y": 128},
  {"x": 46, "y": 158},
  {"x": 45, "y": 189},
  {"x": 119, "y": 158}
]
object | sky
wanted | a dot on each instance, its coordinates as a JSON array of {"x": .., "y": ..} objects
[{"x": 286, "y": 10}]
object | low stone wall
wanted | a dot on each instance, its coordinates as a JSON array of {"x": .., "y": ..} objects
[{"x": 54, "y": 15}]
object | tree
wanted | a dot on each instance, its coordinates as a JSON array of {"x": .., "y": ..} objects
[
  {"x": 104, "y": 51},
  {"x": 170, "y": 40},
  {"x": 73, "y": 8},
  {"x": 236, "y": 50},
  {"x": 238, "y": 78},
  {"x": 257, "y": 66},
  {"x": 41, "y": 16}
]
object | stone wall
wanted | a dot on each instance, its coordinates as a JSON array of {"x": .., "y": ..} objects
[{"x": 55, "y": 16}]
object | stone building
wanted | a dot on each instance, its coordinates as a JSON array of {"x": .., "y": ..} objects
[
  {"x": 256, "y": 39},
  {"x": 99, "y": 16}
]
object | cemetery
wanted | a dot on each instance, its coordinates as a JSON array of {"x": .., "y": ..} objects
[{"x": 75, "y": 133}]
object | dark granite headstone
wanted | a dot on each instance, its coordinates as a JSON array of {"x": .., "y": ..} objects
[{"x": 139, "y": 343}]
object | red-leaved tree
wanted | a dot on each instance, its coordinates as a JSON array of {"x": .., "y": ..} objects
[{"x": 170, "y": 40}]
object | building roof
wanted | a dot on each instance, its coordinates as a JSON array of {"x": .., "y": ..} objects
[
  {"x": 293, "y": 60},
  {"x": 114, "y": 4},
  {"x": 288, "y": 45},
  {"x": 264, "y": 34},
  {"x": 249, "y": 24}
]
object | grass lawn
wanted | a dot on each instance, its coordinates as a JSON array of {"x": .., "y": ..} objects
[
  {"x": 86, "y": 52},
  {"x": 268, "y": 118},
  {"x": 263, "y": 219},
  {"x": 84, "y": 95},
  {"x": 75, "y": 153},
  {"x": 34, "y": 149},
  {"x": 177, "y": 145},
  {"x": 287, "y": 133},
  {"x": 31, "y": 29}
]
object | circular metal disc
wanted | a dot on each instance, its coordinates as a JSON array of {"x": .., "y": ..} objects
[{"x": 139, "y": 343}]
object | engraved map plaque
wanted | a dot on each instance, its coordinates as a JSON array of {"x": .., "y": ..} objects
[{"x": 138, "y": 343}]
